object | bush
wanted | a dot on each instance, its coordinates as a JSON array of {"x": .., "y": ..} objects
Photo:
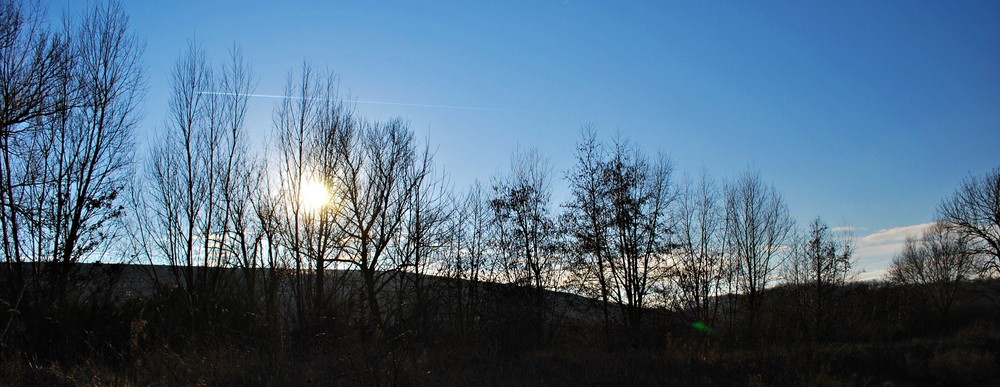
[{"x": 961, "y": 366}]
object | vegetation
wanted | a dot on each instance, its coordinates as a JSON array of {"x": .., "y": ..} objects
[{"x": 342, "y": 256}]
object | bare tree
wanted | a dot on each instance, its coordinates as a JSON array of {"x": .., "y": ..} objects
[
  {"x": 526, "y": 230},
  {"x": 941, "y": 261},
  {"x": 313, "y": 127},
  {"x": 293, "y": 123},
  {"x": 621, "y": 226},
  {"x": 380, "y": 175},
  {"x": 178, "y": 190},
  {"x": 36, "y": 68},
  {"x": 427, "y": 235},
  {"x": 758, "y": 226},
  {"x": 701, "y": 267},
  {"x": 639, "y": 198},
  {"x": 469, "y": 264},
  {"x": 241, "y": 233},
  {"x": 94, "y": 159},
  {"x": 375, "y": 179},
  {"x": 587, "y": 219},
  {"x": 266, "y": 207},
  {"x": 821, "y": 263},
  {"x": 196, "y": 210},
  {"x": 70, "y": 106},
  {"x": 973, "y": 212}
]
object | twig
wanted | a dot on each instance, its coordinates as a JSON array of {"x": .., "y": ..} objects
[{"x": 14, "y": 312}]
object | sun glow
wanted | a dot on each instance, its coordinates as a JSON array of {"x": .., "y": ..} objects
[{"x": 313, "y": 195}]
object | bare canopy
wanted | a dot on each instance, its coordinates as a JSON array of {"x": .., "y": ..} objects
[{"x": 973, "y": 212}]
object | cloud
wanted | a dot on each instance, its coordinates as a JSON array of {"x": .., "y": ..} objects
[
  {"x": 844, "y": 229},
  {"x": 893, "y": 235},
  {"x": 872, "y": 275},
  {"x": 357, "y": 101},
  {"x": 874, "y": 251}
]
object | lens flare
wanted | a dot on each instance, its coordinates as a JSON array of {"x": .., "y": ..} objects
[
  {"x": 702, "y": 327},
  {"x": 313, "y": 195}
]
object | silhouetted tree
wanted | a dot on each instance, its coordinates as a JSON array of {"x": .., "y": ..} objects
[
  {"x": 69, "y": 108},
  {"x": 700, "y": 266},
  {"x": 525, "y": 229},
  {"x": 314, "y": 127},
  {"x": 973, "y": 212},
  {"x": 194, "y": 212},
  {"x": 621, "y": 224},
  {"x": 821, "y": 264},
  {"x": 469, "y": 261},
  {"x": 427, "y": 234},
  {"x": 178, "y": 187},
  {"x": 91, "y": 158},
  {"x": 940, "y": 262},
  {"x": 587, "y": 219},
  {"x": 379, "y": 180},
  {"x": 758, "y": 226},
  {"x": 639, "y": 198},
  {"x": 240, "y": 234},
  {"x": 35, "y": 83}
]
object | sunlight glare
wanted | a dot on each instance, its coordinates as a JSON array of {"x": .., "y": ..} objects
[{"x": 314, "y": 195}]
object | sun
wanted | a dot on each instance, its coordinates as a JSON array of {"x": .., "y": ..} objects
[{"x": 313, "y": 195}]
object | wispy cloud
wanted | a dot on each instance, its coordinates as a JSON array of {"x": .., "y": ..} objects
[
  {"x": 893, "y": 235},
  {"x": 844, "y": 229},
  {"x": 872, "y": 275},
  {"x": 875, "y": 251},
  {"x": 359, "y": 101}
]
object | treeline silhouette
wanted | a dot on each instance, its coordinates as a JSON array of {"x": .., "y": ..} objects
[{"x": 340, "y": 254}]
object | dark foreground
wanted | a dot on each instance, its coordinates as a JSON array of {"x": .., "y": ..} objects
[{"x": 875, "y": 334}]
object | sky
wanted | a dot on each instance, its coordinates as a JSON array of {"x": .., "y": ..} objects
[{"x": 864, "y": 113}]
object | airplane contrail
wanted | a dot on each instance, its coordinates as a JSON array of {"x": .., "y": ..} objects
[{"x": 275, "y": 96}]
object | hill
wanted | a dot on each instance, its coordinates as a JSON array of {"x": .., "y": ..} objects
[{"x": 137, "y": 325}]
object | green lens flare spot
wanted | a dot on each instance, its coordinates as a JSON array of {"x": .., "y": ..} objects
[{"x": 700, "y": 326}]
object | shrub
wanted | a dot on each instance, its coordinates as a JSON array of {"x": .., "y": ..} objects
[{"x": 961, "y": 366}]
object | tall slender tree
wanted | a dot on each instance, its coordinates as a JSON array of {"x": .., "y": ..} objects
[
  {"x": 701, "y": 267},
  {"x": 820, "y": 263},
  {"x": 640, "y": 197},
  {"x": 525, "y": 224},
  {"x": 380, "y": 180},
  {"x": 587, "y": 219},
  {"x": 621, "y": 223},
  {"x": 758, "y": 227},
  {"x": 312, "y": 124},
  {"x": 35, "y": 77}
]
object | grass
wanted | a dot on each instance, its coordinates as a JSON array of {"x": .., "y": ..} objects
[{"x": 880, "y": 337}]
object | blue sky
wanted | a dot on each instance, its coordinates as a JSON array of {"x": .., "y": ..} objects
[{"x": 866, "y": 113}]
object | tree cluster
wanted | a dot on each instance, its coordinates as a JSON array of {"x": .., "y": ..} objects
[
  {"x": 960, "y": 246},
  {"x": 70, "y": 107}
]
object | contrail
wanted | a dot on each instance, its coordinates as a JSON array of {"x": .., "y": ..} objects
[{"x": 274, "y": 96}]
